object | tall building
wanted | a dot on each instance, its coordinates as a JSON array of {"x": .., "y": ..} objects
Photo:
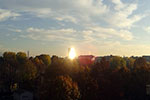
[{"x": 28, "y": 55}]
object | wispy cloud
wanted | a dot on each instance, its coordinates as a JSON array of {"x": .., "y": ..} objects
[
  {"x": 80, "y": 11},
  {"x": 147, "y": 29},
  {"x": 15, "y": 30},
  {"x": 51, "y": 34},
  {"x": 120, "y": 19},
  {"x": 64, "y": 9},
  {"x": 6, "y": 14},
  {"x": 123, "y": 16},
  {"x": 90, "y": 34},
  {"x": 110, "y": 32}
]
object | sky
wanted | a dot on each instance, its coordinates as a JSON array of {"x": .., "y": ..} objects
[{"x": 98, "y": 27}]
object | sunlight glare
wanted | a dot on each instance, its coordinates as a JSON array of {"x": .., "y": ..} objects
[{"x": 72, "y": 53}]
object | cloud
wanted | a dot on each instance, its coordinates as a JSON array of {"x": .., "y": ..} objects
[
  {"x": 51, "y": 34},
  {"x": 123, "y": 16},
  {"x": 6, "y": 14},
  {"x": 66, "y": 18},
  {"x": 15, "y": 30},
  {"x": 90, "y": 34},
  {"x": 64, "y": 9},
  {"x": 80, "y": 11},
  {"x": 110, "y": 32},
  {"x": 118, "y": 4},
  {"x": 147, "y": 29}
]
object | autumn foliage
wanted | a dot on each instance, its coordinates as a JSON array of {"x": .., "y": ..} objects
[{"x": 55, "y": 78}]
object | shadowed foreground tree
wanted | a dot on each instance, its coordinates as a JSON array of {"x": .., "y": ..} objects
[
  {"x": 140, "y": 77},
  {"x": 10, "y": 57},
  {"x": 88, "y": 86},
  {"x": 60, "y": 88},
  {"x": 40, "y": 66},
  {"x": 117, "y": 63},
  {"x": 6, "y": 76},
  {"x": 21, "y": 57},
  {"x": 17, "y": 69},
  {"x": 9, "y": 69},
  {"x": 101, "y": 73},
  {"x": 26, "y": 71},
  {"x": 64, "y": 79},
  {"x": 140, "y": 64},
  {"x": 130, "y": 63},
  {"x": 45, "y": 58},
  {"x": 65, "y": 89}
]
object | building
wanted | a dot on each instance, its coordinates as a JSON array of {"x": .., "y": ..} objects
[
  {"x": 134, "y": 57},
  {"x": 98, "y": 59},
  {"x": 108, "y": 57},
  {"x": 147, "y": 58},
  {"x": 86, "y": 60}
]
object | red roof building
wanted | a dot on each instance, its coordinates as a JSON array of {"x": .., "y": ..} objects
[{"x": 86, "y": 60}]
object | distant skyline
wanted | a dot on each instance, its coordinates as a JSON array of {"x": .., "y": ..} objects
[{"x": 98, "y": 27}]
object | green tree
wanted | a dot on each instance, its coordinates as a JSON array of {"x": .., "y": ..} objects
[
  {"x": 117, "y": 63},
  {"x": 88, "y": 85},
  {"x": 45, "y": 58},
  {"x": 66, "y": 89},
  {"x": 54, "y": 59},
  {"x": 139, "y": 79},
  {"x": 140, "y": 64},
  {"x": 59, "y": 88},
  {"x": 21, "y": 57},
  {"x": 26, "y": 73},
  {"x": 130, "y": 63},
  {"x": 10, "y": 57},
  {"x": 9, "y": 66}
]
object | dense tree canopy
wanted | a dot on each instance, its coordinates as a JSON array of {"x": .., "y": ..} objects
[
  {"x": 65, "y": 89},
  {"x": 56, "y": 78},
  {"x": 21, "y": 57},
  {"x": 45, "y": 58},
  {"x": 117, "y": 63}
]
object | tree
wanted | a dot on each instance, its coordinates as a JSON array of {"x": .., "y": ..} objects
[
  {"x": 5, "y": 75},
  {"x": 40, "y": 66},
  {"x": 66, "y": 89},
  {"x": 101, "y": 66},
  {"x": 9, "y": 66},
  {"x": 21, "y": 57},
  {"x": 140, "y": 78},
  {"x": 88, "y": 85},
  {"x": 10, "y": 57},
  {"x": 45, "y": 58},
  {"x": 130, "y": 63},
  {"x": 26, "y": 73},
  {"x": 54, "y": 59},
  {"x": 117, "y": 63},
  {"x": 140, "y": 64},
  {"x": 60, "y": 88}
]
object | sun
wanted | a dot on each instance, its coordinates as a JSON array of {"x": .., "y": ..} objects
[{"x": 72, "y": 53}]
